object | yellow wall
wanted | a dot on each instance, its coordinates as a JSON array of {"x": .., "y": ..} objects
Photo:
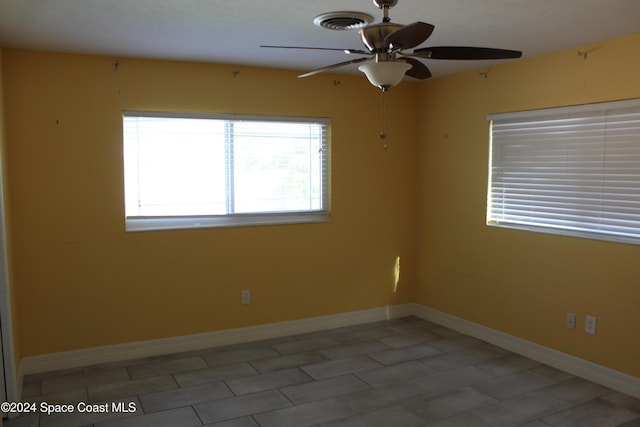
[
  {"x": 82, "y": 281},
  {"x": 520, "y": 282}
]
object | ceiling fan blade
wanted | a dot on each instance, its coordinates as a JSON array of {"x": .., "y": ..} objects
[
  {"x": 409, "y": 36},
  {"x": 331, "y": 67},
  {"x": 465, "y": 52},
  {"x": 418, "y": 70},
  {"x": 354, "y": 51}
]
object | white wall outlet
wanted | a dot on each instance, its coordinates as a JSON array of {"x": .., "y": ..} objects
[
  {"x": 246, "y": 297},
  {"x": 570, "y": 321},
  {"x": 590, "y": 325}
]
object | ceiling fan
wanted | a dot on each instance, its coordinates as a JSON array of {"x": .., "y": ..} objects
[{"x": 388, "y": 60}]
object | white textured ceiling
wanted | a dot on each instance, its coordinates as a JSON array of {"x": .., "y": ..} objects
[{"x": 231, "y": 31}]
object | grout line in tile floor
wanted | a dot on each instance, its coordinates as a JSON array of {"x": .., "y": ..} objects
[{"x": 402, "y": 372}]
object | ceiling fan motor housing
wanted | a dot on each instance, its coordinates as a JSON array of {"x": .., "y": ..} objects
[{"x": 373, "y": 35}]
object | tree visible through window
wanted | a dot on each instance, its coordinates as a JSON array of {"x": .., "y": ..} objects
[{"x": 207, "y": 166}]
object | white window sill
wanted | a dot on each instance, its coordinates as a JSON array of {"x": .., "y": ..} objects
[
  {"x": 585, "y": 234},
  {"x": 134, "y": 224}
]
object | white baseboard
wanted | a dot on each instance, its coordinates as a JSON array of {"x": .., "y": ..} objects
[
  {"x": 608, "y": 377},
  {"x": 121, "y": 352},
  {"x": 599, "y": 374}
]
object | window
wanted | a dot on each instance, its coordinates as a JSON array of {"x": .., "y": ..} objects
[
  {"x": 571, "y": 171},
  {"x": 203, "y": 170}
]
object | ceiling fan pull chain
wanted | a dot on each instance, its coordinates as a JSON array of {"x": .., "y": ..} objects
[{"x": 383, "y": 118}]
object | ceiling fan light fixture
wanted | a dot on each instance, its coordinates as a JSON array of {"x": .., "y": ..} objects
[{"x": 385, "y": 75}]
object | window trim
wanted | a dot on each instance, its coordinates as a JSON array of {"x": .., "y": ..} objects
[
  {"x": 151, "y": 223},
  {"x": 604, "y": 108}
]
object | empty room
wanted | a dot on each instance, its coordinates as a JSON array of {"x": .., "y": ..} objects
[{"x": 337, "y": 213}]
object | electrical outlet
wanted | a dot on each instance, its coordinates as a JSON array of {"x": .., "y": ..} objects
[
  {"x": 590, "y": 325},
  {"x": 570, "y": 321},
  {"x": 246, "y": 297}
]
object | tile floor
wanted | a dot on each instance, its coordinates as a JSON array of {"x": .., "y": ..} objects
[{"x": 404, "y": 372}]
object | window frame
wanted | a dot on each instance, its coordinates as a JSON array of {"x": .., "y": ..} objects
[
  {"x": 509, "y": 218},
  {"x": 174, "y": 222}
]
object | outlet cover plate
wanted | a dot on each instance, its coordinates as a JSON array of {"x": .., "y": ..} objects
[
  {"x": 246, "y": 297},
  {"x": 590, "y": 325},
  {"x": 570, "y": 321}
]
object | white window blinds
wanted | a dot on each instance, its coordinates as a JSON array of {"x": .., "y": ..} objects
[
  {"x": 572, "y": 170},
  {"x": 208, "y": 167}
]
